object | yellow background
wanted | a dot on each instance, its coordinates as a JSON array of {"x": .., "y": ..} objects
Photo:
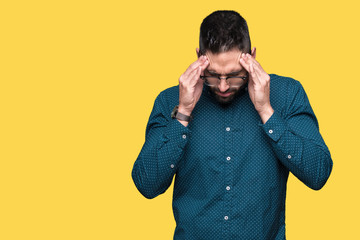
[{"x": 78, "y": 82}]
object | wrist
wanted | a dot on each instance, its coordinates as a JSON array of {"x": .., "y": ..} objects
[
  {"x": 184, "y": 111},
  {"x": 266, "y": 113},
  {"x": 182, "y": 118}
]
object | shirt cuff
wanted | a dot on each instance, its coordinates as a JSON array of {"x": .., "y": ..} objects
[
  {"x": 274, "y": 127},
  {"x": 177, "y": 133}
]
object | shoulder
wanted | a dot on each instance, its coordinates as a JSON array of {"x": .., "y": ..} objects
[
  {"x": 284, "y": 86},
  {"x": 167, "y": 100},
  {"x": 283, "y": 90},
  {"x": 281, "y": 82},
  {"x": 170, "y": 93},
  {"x": 169, "y": 96}
]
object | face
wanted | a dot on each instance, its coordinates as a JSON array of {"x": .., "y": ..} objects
[{"x": 225, "y": 64}]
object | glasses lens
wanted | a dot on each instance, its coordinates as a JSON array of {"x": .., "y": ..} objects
[
  {"x": 236, "y": 81},
  {"x": 211, "y": 81},
  {"x": 232, "y": 81}
]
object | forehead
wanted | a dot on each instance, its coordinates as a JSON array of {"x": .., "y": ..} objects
[{"x": 224, "y": 62}]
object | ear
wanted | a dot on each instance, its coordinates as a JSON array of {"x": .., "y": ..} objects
[
  {"x": 197, "y": 52},
  {"x": 253, "y": 52}
]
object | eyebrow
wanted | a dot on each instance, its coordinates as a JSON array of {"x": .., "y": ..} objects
[{"x": 232, "y": 73}]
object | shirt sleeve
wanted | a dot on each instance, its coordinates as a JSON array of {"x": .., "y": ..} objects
[
  {"x": 157, "y": 162},
  {"x": 297, "y": 142}
]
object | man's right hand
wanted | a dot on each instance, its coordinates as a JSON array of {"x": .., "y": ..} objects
[{"x": 190, "y": 85}]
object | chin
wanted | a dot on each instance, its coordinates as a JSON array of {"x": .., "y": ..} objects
[{"x": 224, "y": 100}]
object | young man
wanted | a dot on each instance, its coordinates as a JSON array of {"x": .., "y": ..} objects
[{"x": 230, "y": 133}]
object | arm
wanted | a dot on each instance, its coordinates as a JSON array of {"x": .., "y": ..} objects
[
  {"x": 295, "y": 136},
  {"x": 157, "y": 162},
  {"x": 166, "y": 138},
  {"x": 297, "y": 142}
]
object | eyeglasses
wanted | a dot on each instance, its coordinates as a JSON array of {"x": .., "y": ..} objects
[{"x": 233, "y": 81}]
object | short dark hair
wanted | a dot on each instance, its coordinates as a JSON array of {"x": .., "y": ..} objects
[{"x": 222, "y": 31}]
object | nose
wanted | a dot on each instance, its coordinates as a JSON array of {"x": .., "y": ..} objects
[{"x": 223, "y": 86}]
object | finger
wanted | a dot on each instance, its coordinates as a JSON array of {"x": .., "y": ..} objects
[
  {"x": 258, "y": 75},
  {"x": 198, "y": 73},
  {"x": 262, "y": 75},
  {"x": 204, "y": 66},
  {"x": 244, "y": 63},
  {"x": 196, "y": 79},
  {"x": 194, "y": 76},
  {"x": 248, "y": 58},
  {"x": 252, "y": 59},
  {"x": 194, "y": 66},
  {"x": 257, "y": 67},
  {"x": 253, "y": 74},
  {"x": 199, "y": 82}
]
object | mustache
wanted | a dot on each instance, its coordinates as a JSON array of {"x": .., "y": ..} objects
[{"x": 227, "y": 91}]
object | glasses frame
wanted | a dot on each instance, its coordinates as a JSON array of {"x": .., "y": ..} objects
[{"x": 244, "y": 78}]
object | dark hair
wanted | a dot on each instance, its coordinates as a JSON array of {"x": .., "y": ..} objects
[{"x": 222, "y": 31}]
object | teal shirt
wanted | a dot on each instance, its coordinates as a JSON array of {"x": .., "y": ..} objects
[{"x": 230, "y": 169}]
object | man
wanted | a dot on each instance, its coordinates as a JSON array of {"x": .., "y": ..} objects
[{"x": 231, "y": 142}]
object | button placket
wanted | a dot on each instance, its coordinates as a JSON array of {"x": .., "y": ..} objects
[{"x": 228, "y": 168}]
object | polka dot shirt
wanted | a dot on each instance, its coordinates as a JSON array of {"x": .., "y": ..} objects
[{"x": 230, "y": 169}]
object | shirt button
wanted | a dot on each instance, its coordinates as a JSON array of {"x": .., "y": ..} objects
[
  {"x": 270, "y": 131},
  {"x": 226, "y": 217},
  {"x": 227, "y": 129},
  {"x": 172, "y": 166},
  {"x": 228, "y": 158},
  {"x": 184, "y": 136},
  {"x": 228, "y": 188},
  {"x": 289, "y": 156}
]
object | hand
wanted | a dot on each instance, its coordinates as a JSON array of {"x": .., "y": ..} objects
[
  {"x": 190, "y": 86},
  {"x": 259, "y": 85}
]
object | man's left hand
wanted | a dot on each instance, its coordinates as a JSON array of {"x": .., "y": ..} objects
[{"x": 259, "y": 85}]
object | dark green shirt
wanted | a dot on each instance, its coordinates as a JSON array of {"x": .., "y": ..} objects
[{"x": 230, "y": 169}]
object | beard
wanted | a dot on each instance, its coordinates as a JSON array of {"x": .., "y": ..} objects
[{"x": 226, "y": 100}]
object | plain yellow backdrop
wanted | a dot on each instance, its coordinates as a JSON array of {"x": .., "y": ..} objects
[{"x": 78, "y": 82}]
